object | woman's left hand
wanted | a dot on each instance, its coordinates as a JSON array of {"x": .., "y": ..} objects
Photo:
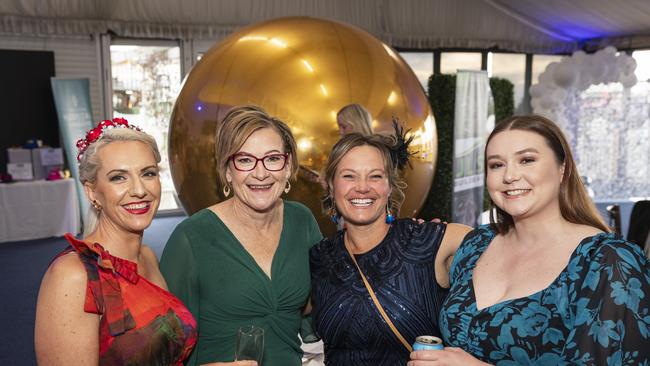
[{"x": 447, "y": 356}]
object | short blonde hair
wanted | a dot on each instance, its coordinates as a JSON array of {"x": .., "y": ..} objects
[
  {"x": 238, "y": 125},
  {"x": 357, "y": 117},
  {"x": 347, "y": 143},
  {"x": 90, "y": 162}
]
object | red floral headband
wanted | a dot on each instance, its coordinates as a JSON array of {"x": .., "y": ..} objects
[{"x": 97, "y": 132}]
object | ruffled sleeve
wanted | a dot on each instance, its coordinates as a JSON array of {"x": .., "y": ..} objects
[
  {"x": 611, "y": 305},
  {"x": 103, "y": 292}
]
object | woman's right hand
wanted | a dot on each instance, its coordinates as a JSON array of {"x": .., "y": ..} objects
[
  {"x": 234, "y": 363},
  {"x": 448, "y": 356}
]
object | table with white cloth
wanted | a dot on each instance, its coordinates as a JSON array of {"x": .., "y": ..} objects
[{"x": 38, "y": 209}]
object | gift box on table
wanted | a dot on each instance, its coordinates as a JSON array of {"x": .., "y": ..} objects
[
  {"x": 18, "y": 155},
  {"x": 45, "y": 159}
]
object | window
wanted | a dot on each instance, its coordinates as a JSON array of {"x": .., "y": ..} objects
[
  {"x": 613, "y": 130},
  {"x": 422, "y": 65},
  {"x": 450, "y": 62},
  {"x": 510, "y": 66},
  {"x": 146, "y": 80}
]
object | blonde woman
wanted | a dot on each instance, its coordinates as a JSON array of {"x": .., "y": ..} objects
[
  {"x": 354, "y": 118},
  {"x": 103, "y": 301}
]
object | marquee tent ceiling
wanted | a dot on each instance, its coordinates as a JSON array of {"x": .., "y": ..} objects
[{"x": 550, "y": 26}]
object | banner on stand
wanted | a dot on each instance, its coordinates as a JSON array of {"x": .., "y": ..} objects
[
  {"x": 72, "y": 101},
  {"x": 474, "y": 119}
]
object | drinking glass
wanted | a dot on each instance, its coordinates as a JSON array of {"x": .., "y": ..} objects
[{"x": 250, "y": 344}]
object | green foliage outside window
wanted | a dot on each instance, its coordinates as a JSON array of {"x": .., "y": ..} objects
[{"x": 442, "y": 93}]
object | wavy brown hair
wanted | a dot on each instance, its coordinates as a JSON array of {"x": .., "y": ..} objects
[
  {"x": 347, "y": 143},
  {"x": 575, "y": 204}
]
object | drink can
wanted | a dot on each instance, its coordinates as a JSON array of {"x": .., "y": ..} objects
[{"x": 427, "y": 343}]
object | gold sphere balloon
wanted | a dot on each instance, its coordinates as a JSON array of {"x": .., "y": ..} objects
[{"x": 302, "y": 70}]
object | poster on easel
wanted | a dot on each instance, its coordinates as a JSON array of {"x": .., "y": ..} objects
[{"x": 72, "y": 101}]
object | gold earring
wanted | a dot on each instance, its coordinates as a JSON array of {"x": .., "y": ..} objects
[
  {"x": 96, "y": 205},
  {"x": 287, "y": 188},
  {"x": 226, "y": 190}
]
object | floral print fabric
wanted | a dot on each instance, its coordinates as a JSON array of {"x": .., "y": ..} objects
[
  {"x": 141, "y": 323},
  {"x": 596, "y": 312}
]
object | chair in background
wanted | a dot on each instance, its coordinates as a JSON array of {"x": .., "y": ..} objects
[
  {"x": 639, "y": 223},
  {"x": 614, "y": 218}
]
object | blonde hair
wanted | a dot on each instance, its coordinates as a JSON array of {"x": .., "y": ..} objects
[
  {"x": 238, "y": 125},
  {"x": 90, "y": 163},
  {"x": 575, "y": 204},
  {"x": 347, "y": 143},
  {"x": 357, "y": 117}
]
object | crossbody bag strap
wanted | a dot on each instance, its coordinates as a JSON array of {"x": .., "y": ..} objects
[{"x": 378, "y": 305}]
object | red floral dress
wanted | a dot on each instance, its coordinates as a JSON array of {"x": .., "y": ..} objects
[{"x": 141, "y": 323}]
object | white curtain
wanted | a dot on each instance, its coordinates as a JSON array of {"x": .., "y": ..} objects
[{"x": 474, "y": 119}]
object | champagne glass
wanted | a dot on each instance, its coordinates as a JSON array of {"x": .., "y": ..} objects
[{"x": 250, "y": 344}]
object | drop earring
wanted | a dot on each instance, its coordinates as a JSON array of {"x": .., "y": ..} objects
[
  {"x": 334, "y": 216},
  {"x": 389, "y": 216},
  {"x": 287, "y": 188},
  {"x": 226, "y": 190}
]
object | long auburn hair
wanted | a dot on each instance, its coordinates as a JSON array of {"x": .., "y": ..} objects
[{"x": 575, "y": 204}]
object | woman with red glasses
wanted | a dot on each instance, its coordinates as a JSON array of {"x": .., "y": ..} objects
[{"x": 245, "y": 261}]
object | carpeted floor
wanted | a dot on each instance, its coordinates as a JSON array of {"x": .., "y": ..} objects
[{"x": 22, "y": 264}]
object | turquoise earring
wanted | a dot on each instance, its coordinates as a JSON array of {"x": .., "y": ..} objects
[{"x": 389, "y": 216}]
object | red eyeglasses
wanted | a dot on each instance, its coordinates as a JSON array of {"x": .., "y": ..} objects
[{"x": 246, "y": 162}]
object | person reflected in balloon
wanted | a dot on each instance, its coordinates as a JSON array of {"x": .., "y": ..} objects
[
  {"x": 545, "y": 282},
  {"x": 351, "y": 118},
  {"x": 354, "y": 118},
  {"x": 245, "y": 261},
  {"x": 103, "y": 301},
  {"x": 404, "y": 262}
]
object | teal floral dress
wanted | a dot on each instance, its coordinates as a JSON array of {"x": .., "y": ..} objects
[{"x": 596, "y": 312}]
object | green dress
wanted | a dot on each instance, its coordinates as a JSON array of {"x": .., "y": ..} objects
[{"x": 224, "y": 288}]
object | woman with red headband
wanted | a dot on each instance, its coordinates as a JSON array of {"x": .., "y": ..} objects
[{"x": 103, "y": 301}]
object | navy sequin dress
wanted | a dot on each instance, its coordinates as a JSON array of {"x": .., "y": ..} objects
[
  {"x": 596, "y": 312},
  {"x": 400, "y": 270}
]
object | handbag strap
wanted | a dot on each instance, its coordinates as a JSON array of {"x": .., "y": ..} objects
[{"x": 378, "y": 305}]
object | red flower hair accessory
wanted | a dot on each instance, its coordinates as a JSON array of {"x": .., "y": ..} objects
[{"x": 97, "y": 132}]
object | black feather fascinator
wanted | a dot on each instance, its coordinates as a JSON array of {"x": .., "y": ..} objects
[{"x": 400, "y": 154}]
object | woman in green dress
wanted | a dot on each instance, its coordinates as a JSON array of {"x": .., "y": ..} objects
[{"x": 245, "y": 261}]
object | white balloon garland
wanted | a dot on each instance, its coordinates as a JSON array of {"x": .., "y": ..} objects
[{"x": 577, "y": 73}]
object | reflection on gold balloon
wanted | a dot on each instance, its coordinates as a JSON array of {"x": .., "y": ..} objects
[{"x": 302, "y": 70}]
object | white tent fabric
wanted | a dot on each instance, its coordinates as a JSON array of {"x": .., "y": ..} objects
[{"x": 514, "y": 25}]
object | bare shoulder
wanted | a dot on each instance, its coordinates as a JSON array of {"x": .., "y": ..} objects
[
  {"x": 580, "y": 232},
  {"x": 62, "y": 326},
  {"x": 589, "y": 230},
  {"x": 67, "y": 270},
  {"x": 64, "y": 281}
]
